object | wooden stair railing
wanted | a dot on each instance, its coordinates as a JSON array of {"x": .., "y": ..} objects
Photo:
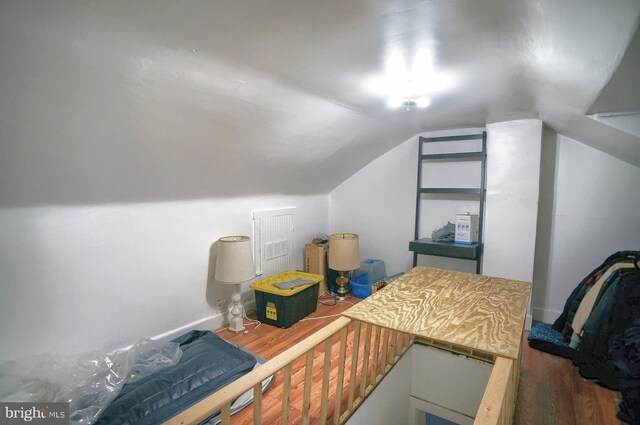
[{"x": 366, "y": 370}]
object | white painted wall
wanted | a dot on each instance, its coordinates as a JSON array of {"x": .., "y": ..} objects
[
  {"x": 429, "y": 379},
  {"x": 125, "y": 155},
  {"x": 544, "y": 230},
  {"x": 450, "y": 380},
  {"x": 594, "y": 212},
  {"x": 513, "y": 174},
  {"x": 570, "y": 235},
  {"x": 378, "y": 203},
  {"x": 513, "y": 179},
  {"x": 78, "y": 278},
  {"x": 389, "y": 402}
]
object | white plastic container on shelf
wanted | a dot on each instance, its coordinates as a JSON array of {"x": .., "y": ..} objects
[
  {"x": 374, "y": 268},
  {"x": 466, "y": 228}
]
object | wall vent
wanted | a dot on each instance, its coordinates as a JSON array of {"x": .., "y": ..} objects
[{"x": 272, "y": 240}]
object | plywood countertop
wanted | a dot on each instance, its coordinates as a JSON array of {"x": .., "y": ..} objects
[{"x": 471, "y": 311}]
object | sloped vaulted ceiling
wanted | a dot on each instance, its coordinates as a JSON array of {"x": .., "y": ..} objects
[{"x": 108, "y": 101}]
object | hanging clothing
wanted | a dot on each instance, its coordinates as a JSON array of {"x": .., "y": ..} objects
[
  {"x": 563, "y": 323},
  {"x": 617, "y": 306},
  {"x": 625, "y": 355},
  {"x": 605, "y": 310},
  {"x": 589, "y": 300}
]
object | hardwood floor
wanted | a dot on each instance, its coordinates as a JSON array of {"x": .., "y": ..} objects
[
  {"x": 268, "y": 341},
  {"x": 551, "y": 391}
]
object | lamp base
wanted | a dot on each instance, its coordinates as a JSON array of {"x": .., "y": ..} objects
[
  {"x": 236, "y": 322},
  {"x": 341, "y": 281}
]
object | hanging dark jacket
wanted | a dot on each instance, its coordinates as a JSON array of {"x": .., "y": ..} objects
[
  {"x": 563, "y": 323},
  {"x": 625, "y": 355},
  {"x": 616, "y": 308}
]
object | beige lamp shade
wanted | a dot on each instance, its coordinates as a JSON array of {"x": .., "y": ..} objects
[
  {"x": 234, "y": 263},
  {"x": 344, "y": 252}
]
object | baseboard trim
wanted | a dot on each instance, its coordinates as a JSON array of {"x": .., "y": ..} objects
[
  {"x": 545, "y": 315},
  {"x": 210, "y": 322}
]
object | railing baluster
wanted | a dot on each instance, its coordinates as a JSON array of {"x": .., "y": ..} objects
[
  {"x": 325, "y": 380},
  {"x": 385, "y": 347},
  {"x": 405, "y": 342},
  {"x": 340, "y": 382},
  {"x": 392, "y": 347},
  {"x": 354, "y": 364},
  {"x": 306, "y": 402},
  {"x": 365, "y": 360},
  {"x": 257, "y": 404},
  {"x": 226, "y": 414},
  {"x": 376, "y": 349},
  {"x": 286, "y": 393}
]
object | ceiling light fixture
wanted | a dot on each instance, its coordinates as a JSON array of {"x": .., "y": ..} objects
[
  {"x": 409, "y": 88},
  {"x": 408, "y": 103}
]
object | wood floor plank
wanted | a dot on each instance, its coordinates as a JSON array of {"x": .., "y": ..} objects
[{"x": 551, "y": 391}]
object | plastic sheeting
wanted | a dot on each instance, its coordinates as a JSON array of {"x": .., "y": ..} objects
[{"x": 88, "y": 382}]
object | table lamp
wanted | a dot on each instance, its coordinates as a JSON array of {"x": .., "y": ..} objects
[
  {"x": 234, "y": 265},
  {"x": 344, "y": 256}
]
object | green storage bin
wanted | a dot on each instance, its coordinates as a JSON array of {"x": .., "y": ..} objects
[{"x": 284, "y": 307}]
